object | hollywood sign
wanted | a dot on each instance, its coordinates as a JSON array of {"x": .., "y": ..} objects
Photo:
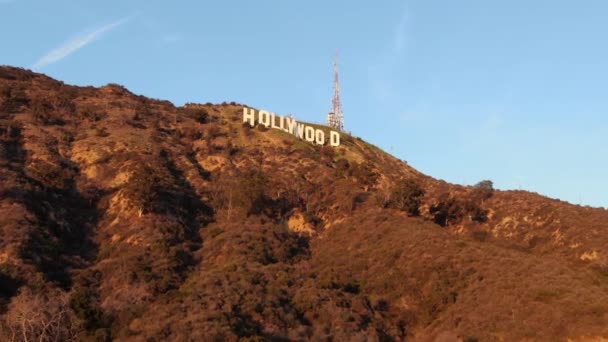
[{"x": 291, "y": 126}]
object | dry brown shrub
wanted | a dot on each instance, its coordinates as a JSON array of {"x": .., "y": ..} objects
[{"x": 40, "y": 316}]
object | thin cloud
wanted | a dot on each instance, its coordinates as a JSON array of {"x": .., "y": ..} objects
[
  {"x": 170, "y": 38},
  {"x": 380, "y": 74},
  {"x": 400, "y": 31},
  {"x": 75, "y": 44}
]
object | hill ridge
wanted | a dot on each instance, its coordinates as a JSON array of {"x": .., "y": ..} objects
[{"x": 117, "y": 210}]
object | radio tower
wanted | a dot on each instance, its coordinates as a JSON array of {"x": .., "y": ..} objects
[{"x": 335, "y": 118}]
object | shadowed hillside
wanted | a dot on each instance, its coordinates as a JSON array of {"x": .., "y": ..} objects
[{"x": 127, "y": 218}]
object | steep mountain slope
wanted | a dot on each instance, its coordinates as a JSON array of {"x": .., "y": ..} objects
[{"x": 128, "y": 218}]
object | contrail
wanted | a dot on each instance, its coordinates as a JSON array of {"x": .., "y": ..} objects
[{"x": 75, "y": 44}]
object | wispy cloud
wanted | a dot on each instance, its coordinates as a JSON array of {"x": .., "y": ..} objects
[
  {"x": 380, "y": 73},
  {"x": 169, "y": 38},
  {"x": 75, "y": 44},
  {"x": 400, "y": 32}
]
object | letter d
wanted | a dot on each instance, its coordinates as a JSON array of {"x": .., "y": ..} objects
[{"x": 334, "y": 138}]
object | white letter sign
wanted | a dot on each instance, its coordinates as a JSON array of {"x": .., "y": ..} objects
[{"x": 291, "y": 126}]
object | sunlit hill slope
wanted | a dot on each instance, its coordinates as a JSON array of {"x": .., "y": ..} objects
[{"x": 128, "y": 218}]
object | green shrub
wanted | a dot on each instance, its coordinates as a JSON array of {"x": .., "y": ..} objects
[
  {"x": 483, "y": 190},
  {"x": 342, "y": 164},
  {"x": 251, "y": 191},
  {"x": 451, "y": 210},
  {"x": 198, "y": 114},
  {"x": 407, "y": 196},
  {"x": 84, "y": 302},
  {"x": 364, "y": 173},
  {"x": 13, "y": 100},
  {"x": 145, "y": 186},
  {"x": 447, "y": 210}
]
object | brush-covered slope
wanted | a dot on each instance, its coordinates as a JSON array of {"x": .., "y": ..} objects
[{"x": 128, "y": 218}]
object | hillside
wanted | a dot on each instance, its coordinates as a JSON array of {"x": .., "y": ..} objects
[{"x": 128, "y": 218}]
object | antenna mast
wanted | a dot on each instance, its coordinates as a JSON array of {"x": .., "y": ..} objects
[{"x": 335, "y": 119}]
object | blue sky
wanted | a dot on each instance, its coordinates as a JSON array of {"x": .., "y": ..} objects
[{"x": 513, "y": 91}]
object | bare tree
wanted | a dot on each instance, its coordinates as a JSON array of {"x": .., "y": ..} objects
[
  {"x": 221, "y": 194},
  {"x": 43, "y": 316}
]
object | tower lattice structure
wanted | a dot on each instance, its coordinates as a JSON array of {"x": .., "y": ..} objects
[{"x": 335, "y": 118}]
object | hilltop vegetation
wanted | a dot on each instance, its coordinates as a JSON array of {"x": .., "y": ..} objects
[{"x": 128, "y": 218}]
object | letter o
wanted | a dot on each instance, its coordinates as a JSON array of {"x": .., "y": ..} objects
[
  {"x": 309, "y": 134},
  {"x": 320, "y": 137},
  {"x": 264, "y": 118}
]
